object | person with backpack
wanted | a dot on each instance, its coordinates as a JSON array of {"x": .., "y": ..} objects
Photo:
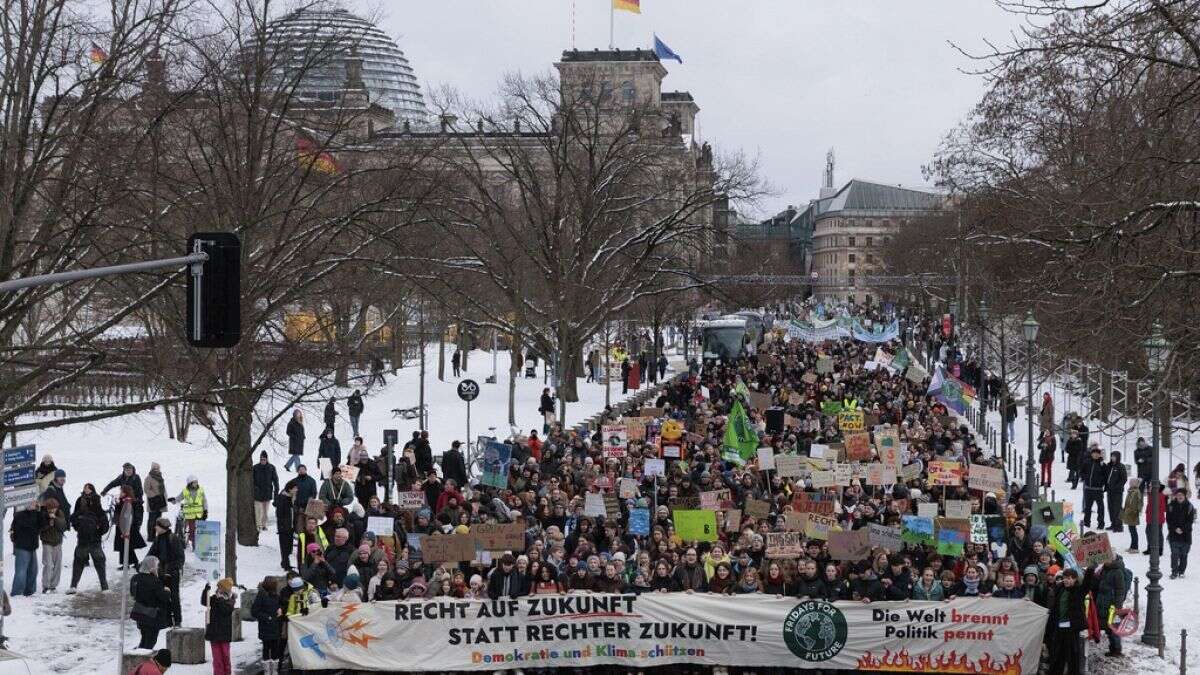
[
  {"x": 90, "y": 523},
  {"x": 170, "y": 551},
  {"x": 268, "y": 612},
  {"x": 218, "y": 623},
  {"x": 151, "y": 602},
  {"x": 1111, "y": 582}
]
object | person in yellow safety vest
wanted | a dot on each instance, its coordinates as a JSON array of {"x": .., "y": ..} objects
[
  {"x": 302, "y": 595},
  {"x": 311, "y": 535},
  {"x": 193, "y": 506}
]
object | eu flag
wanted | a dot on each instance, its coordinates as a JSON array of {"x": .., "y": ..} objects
[{"x": 664, "y": 52}]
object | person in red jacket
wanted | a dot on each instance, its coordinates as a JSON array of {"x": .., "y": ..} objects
[
  {"x": 535, "y": 445},
  {"x": 1151, "y": 531}
]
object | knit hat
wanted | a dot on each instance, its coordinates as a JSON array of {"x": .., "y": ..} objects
[
  {"x": 164, "y": 523},
  {"x": 350, "y": 582},
  {"x": 225, "y": 585},
  {"x": 1032, "y": 569},
  {"x": 312, "y": 548},
  {"x": 296, "y": 583},
  {"x": 192, "y": 479},
  {"x": 59, "y": 473}
]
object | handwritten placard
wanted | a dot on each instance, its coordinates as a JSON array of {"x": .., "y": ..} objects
[{"x": 985, "y": 478}]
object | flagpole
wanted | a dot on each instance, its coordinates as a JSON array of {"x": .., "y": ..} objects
[{"x": 612, "y": 13}]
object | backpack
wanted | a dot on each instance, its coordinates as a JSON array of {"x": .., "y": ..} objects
[{"x": 1128, "y": 577}]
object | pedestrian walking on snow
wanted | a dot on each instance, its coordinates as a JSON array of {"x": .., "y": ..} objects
[
  {"x": 90, "y": 523},
  {"x": 295, "y": 434},
  {"x": 156, "y": 497},
  {"x": 354, "y": 406},
  {"x": 265, "y": 480}
]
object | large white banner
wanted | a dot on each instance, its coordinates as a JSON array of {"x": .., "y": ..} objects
[{"x": 440, "y": 634}]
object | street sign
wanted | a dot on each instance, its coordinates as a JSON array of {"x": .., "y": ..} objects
[
  {"x": 17, "y": 476},
  {"x": 391, "y": 436},
  {"x": 18, "y": 497},
  {"x": 22, "y": 454},
  {"x": 468, "y": 390}
]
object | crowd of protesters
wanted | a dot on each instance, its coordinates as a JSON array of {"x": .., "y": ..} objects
[{"x": 328, "y": 554}]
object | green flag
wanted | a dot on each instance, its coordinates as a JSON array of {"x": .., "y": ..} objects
[
  {"x": 740, "y": 436},
  {"x": 741, "y": 390}
]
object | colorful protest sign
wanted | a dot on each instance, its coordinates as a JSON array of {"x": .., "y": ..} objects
[
  {"x": 916, "y": 530},
  {"x": 953, "y": 392},
  {"x": 818, "y": 526},
  {"x": 852, "y": 420},
  {"x": 985, "y": 478},
  {"x": 733, "y": 520},
  {"x": 942, "y": 472},
  {"x": 635, "y": 428},
  {"x": 208, "y": 547},
  {"x": 627, "y": 488},
  {"x": 887, "y": 446},
  {"x": 884, "y": 536},
  {"x": 959, "y": 509},
  {"x": 654, "y": 466},
  {"x": 710, "y": 499},
  {"x": 858, "y": 446},
  {"x": 784, "y": 545},
  {"x": 849, "y": 546},
  {"x": 979, "y": 531},
  {"x": 831, "y": 407},
  {"x": 499, "y": 536},
  {"x": 746, "y": 631},
  {"x": 1093, "y": 549},
  {"x": 912, "y": 471},
  {"x": 805, "y": 502},
  {"x": 639, "y": 522},
  {"x": 496, "y": 458},
  {"x": 952, "y": 535},
  {"x": 616, "y": 440},
  {"x": 696, "y": 525},
  {"x": 593, "y": 505}
]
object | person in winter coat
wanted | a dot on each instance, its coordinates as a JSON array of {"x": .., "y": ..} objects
[
  {"x": 456, "y": 363},
  {"x": 27, "y": 525},
  {"x": 169, "y": 549},
  {"x": 354, "y": 407},
  {"x": 1110, "y": 584},
  {"x": 136, "y": 540},
  {"x": 1046, "y": 447},
  {"x": 1114, "y": 489},
  {"x": 330, "y": 414},
  {"x": 52, "y": 538},
  {"x": 897, "y": 582},
  {"x": 1131, "y": 514},
  {"x": 285, "y": 522},
  {"x": 972, "y": 584},
  {"x": 339, "y": 554},
  {"x": 295, "y": 434},
  {"x": 1143, "y": 456},
  {"x": 44, "y": 473},
  {"x": 505, "y": 581},
  {"x": 1046, "y": 414},
  {"x": 90, "y": 523},
  {"x": 1094, "y": 474},
  {"x": 1181, "y": 515},
  {"x": 1067, "y": 622},
  {"x": 1007, "y": 587},
  {"x": 306, "y": 488},
  {"x": 155, "y": 665},
  {"x": 1154, "y": 535},
  {"x": 268, "y": 612},
  {"x": 336, "y": 491},
  {"x": 928, "y": 587},
  {"x": 218, "y": 627},
  {"x": 193, "y": 506},
  {"x": 330, "y": 449},
  {"x": 1032, "y": 586},
  {"x": 547, "y": 409},
  {"x": 808, "y": 584},
  {"x": 453, "y": 467},
  {"x": 423, "y": 455},
  {"x": 689, "y": 574},
  {"x": 151, "y": 602},
  {"x": 626, "y": 369},
  {"x": 156, "y": 497},
  {"x": 1075, "y": 451},
  {"x": 265, "y": 480},
  {"x": 54, "y": 490},
  {"x": 128, "y": 477}
]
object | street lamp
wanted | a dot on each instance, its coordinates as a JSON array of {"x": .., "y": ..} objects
[
  {"x": 1158, "y": 351},
  {"x": 982, "y": 312},
  {"x": 1030, "y": 327}
]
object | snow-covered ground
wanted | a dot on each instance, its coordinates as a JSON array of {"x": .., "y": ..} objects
[{"x": 59, "y": 633}]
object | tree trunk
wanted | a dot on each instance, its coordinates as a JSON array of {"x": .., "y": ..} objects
[
  {"x": 514, "y": 369},
  {"x": 170, "y": 422},
  {"x": 421, "y": 358},
  {"x": 570, "y": 350},
  {"x": 240, "y": 528},
  {"x": 464, "y": 346},
  {"x": 607, "y": 364},
  {"x": 399, "y": 339},
  {"x": 441, "y": 353}
]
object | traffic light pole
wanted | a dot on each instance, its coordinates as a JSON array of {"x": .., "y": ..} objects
[{"x": 98, "y": 272}]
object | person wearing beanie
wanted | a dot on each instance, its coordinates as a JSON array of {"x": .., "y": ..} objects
[
  {"x": 155, "y": 490},
  {"x": 265, "y": 485},
  {"x": 218, "y": 624},
  {"x": 54, "y": 490},
  {"x": 193, "y": 505},
  {"x": 169, "y": 549}
]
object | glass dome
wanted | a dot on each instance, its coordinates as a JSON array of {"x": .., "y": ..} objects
[{"x": 325, "y": 38}]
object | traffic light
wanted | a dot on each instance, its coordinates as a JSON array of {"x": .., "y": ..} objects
[{"x": 214, "y": 290}]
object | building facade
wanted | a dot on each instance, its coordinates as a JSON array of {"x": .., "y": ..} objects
[{"x": 849, "y": 230}]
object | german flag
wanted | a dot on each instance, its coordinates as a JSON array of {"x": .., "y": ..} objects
[
  {"x": 312, "y": 156},
  {"x": 634, "y": 6}
]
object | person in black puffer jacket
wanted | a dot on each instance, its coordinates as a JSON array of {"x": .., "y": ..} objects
[
  {"x": 151, "y": 602},
  {"x": 267, "y": 611},
  {"x": 218, "y": 629},
  {"x": 90, "y": 523},
  {"x": 169, "y": 549},
  {"x": 1067, "y": 620},
  {"x": 898, "y": 582},
  {"x": 809, "y": 583}
]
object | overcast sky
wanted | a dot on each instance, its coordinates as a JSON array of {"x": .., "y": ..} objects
[{"x": 781, "y": 79}]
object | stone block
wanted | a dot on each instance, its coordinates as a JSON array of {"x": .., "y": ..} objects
[
  {"x": 187, "y": 645},
  {"x": 246, "y": 601}
]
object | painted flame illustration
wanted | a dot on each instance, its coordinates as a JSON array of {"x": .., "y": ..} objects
[{"x": 944, "y": 663}]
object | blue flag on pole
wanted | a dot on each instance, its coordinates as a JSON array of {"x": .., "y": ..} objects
[{"x": 664, "y": 52}]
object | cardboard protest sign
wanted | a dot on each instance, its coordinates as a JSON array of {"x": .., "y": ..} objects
[
  {"x": 499, "y": 536},
  {"x": 810, "y": 464},
  {"x": 448, "y": 548},
  {"x": 627, "y": 488},
  {"x": 852, "y": 420},
  {"x": 858, "y": 446},
  {"x": 943, "y": 472},
  {"x": 616, "y": 440},
  {"x": 807, "y": 378},
  {"x": 849, "y": 546},
  {"x": 349, "y": 473},
  {"x": 612, "y": 506},
  {"x": 824, "y": 479},
  {"x": 818, "y": 450},
  {"x": 844, "y": 473},
  {"x": 412, "y": 500},
  {"x": 884, "y": 536},
  {"x": 952, "y": 535},
  {"x": 985, "y": 478},
  {"x": 757, "y": 509},
  {"x": 593, "y": 504},
  {"x": 916, "y": 530},
  {"x": 766, "y": 459},
  {"x": 710, "y": 499},
  {"x": 887, "y": 445},
  {"x": 878, "y": 474},
  {"x": 912, "y": 471},
  {"x": 784, "y": 545},
  {"x": 759, "y": 401},
  {"x": 818, "y": 526},
  {"x": 959, "y": 509},
  {"x": 733, "y": 520},
  {"x": 788, "y": 466},
  {"x": 927, "y": 509},
  {"x": 635, "y": 428},
  {"x": 795, "y": 521},
  {"x": 315, "y": 508},
  {"x": 654, "y": 466},
  {"x": 805, "y": 502},
  {"x": 651, "y": 412},
  {"x": 684, "y": 502},
  {"x": 1093, "y": 549},
  {"x": 639, "y": 522},
  {"x": 696, "y": 525}
]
